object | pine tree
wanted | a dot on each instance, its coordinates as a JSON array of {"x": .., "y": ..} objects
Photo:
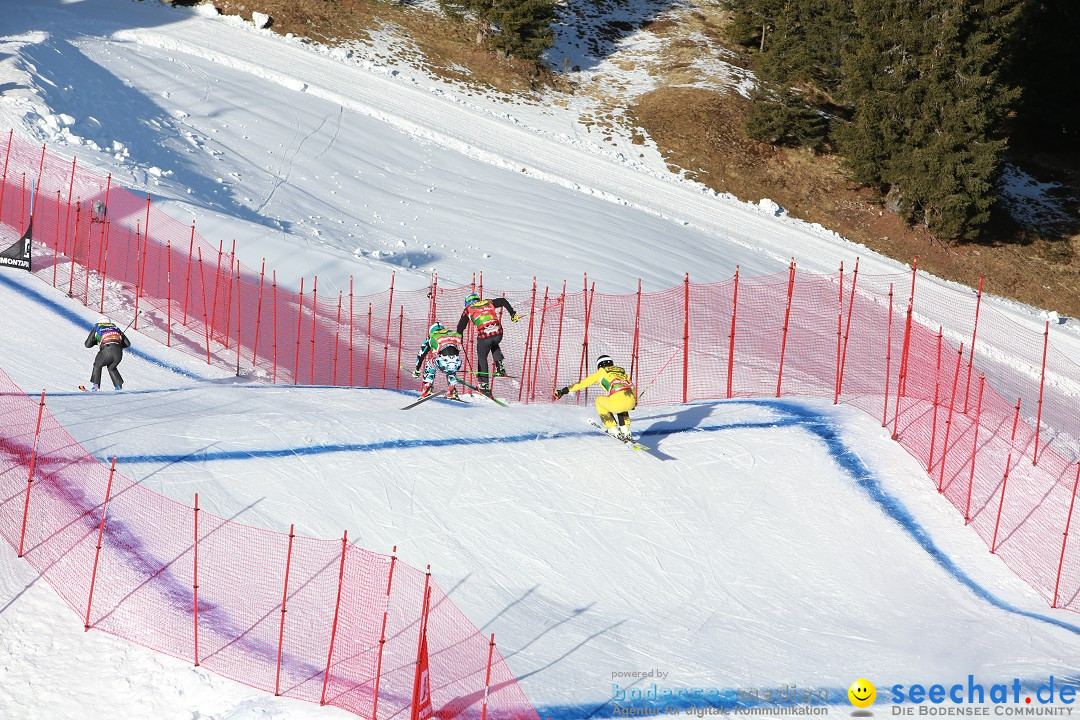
[
  {"x": 753, "y": 20},
  {"x": 808, "y": 44},
  {"x": 925, "y": 81},
  {"x": 783, "y": 118}
]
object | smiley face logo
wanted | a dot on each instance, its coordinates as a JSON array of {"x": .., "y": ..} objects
[{"x": 862, "y": 693}]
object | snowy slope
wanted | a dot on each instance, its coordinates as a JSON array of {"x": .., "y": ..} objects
[{"x": 716, "y": 559}]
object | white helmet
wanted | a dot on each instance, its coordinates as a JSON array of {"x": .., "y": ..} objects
[
  {"x": 604, "y": 361},
  {"x": 104, "y": 320}
]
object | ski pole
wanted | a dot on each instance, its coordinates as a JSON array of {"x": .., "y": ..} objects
[{"x": 657, "y": 376}]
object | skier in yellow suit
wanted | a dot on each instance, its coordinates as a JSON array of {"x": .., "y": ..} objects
[{"x": 614, "y": 407}]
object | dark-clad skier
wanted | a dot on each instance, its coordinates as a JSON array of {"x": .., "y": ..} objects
[
  {"x": 489, "y": 333},
  {"x": 111, "y": 341}
]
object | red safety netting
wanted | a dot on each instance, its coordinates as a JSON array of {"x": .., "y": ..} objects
[
  {"x": 873, "y": 342},
  {"x": 274, "y": 611}
]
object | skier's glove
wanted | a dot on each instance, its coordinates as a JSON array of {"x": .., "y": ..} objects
[
  {"x": 416, "y": 373},
  {"x": 515, "y": 318},
  {"x": 559, "y": 393}
]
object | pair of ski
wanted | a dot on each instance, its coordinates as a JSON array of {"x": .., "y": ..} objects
[
  {"x": 442, "y": 393},
  {"x": 632, "y": 444}
]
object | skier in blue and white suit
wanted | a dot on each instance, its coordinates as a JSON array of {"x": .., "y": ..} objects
[{"x": 441, "y": 351}]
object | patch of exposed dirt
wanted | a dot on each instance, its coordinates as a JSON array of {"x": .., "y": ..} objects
[
  {"x": 445, "y": 48},
  {"x": 701, "y": 131}
]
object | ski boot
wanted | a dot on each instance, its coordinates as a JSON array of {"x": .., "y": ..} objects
[
  {"x": 500, "y": 369},
  {"x": 426, "y": 390},
  {"x": 623, "y": 433},
  {"x": 94, "y": 387},
  {"x": 452, "y": 393},
  {"x": 485, "y": 387}
]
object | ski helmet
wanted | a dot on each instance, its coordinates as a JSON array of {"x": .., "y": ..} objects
[
  {"x": 435, "y": 327},
  {"x": 104, "y": 320},
  {"x": 471, "y": 298},
  {"x": 604, "y": 361}
]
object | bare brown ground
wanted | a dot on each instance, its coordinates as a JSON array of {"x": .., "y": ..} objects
[{"x": 446, "y": 48}]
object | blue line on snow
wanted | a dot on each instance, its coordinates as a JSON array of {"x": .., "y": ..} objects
[
  {"x": 73, "y": 318},
  {"x": 796, "y": 415}
]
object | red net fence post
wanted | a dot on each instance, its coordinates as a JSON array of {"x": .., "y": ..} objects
[
  {"x": 686, "y": 337},
  {"x": 971, "y": 350},
  {"x": 102, "y": 242},
  {"x": 949, "y": 421},
  {"x": 974, "y": 451},
  {"x": 586, "y": 298},
  {"x": 97, "y": 552},
  {"x": 258, "y": 316},
  {"x": 314, "y": 326},
  {"x": 635, "y": 348},
  {"x": 1042, "y": 384},
  {"x": 67, "y": 216},
  {"x": 937, "y": 393},
  {"x": 400, "y": 345},
  {"x": 421, "y": 694},
  {"x": 367, "y": 352},
  {"x": 229, "y": 295},
  {"x": 274, "y": 325},
  {"x": 382, "y": 635},
  {"x": 187, "y": 277},
  {"x": 386, "y": 345},
  {"x": 902, "y": 375},
  {"x": 352, "y": 341},
  {"x": 299, "y": 328},
  {"x": 30, "y": 475},
  {"x": 1065, "y": 537},
  {"x": 284, "y": 600},
  {"x": 1005, "y": 477},
  {"x": 491, "y": 653},
  {"x": 839, "y": 332},
  {"x": 784, "y": 330},
  {"x": 847, "y": 332},
  {"x": 3, "y": 182},
  {"x": 239, "y": 327},
  {"x": 206, "y": 323},
  {"x": 888, "y": 360},
  {"x": 731, "y": 333},
  {"x": 105, "y": 266},
  {"x": 558, "y": 337},
  {"x": 337, "y": 610},
  {"x": 539, "y": 344},
  {"x": 75, "y": 254},
  {"x": 168, "y": 294},
  {"x": 217, "y": 285},
  {"x": 527, "y": 363}
]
